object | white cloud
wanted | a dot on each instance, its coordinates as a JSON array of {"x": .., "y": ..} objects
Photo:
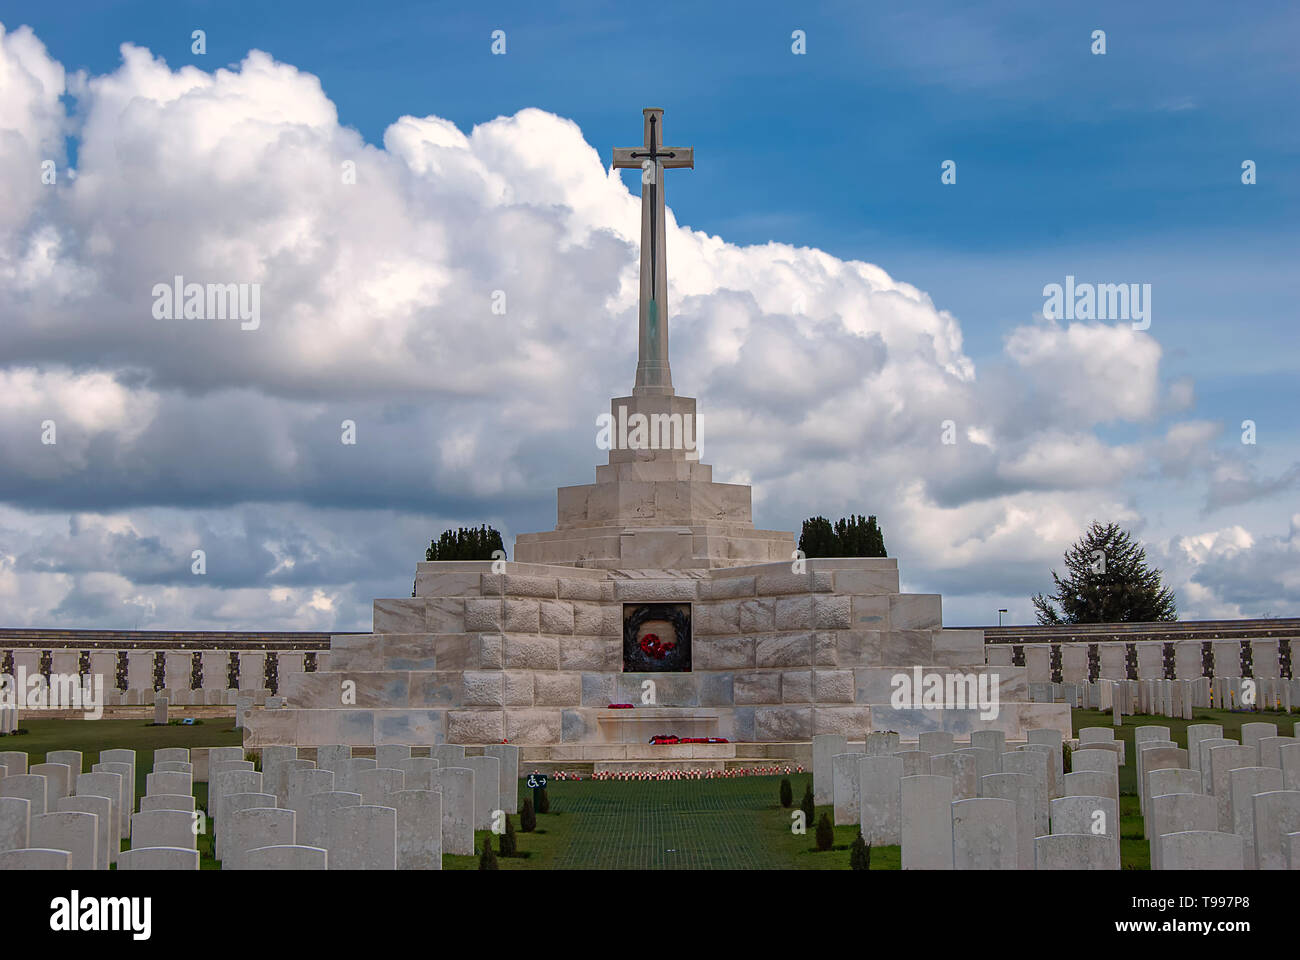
[{"x": 823, "y": 381}]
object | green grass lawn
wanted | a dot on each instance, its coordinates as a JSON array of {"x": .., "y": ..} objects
[
  {"x": 674, "y": 825},
  {"x": 684, "y": 824}
]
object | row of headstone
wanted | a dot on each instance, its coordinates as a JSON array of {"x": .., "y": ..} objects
[
  {"x": 390, "y": 811},
  {"x": 54, "y": 816},
  {"x": 1217, "y": 803},
  {"x": 979, "y": 807},
  {"x": 1008, "y": 826}
]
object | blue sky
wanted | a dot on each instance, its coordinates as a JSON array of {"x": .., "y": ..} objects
[
  {"x": 1117, "y": 168},
  {"x": 1125, "y": 163}
]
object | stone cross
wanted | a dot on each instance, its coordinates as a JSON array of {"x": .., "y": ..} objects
[{"x": 653, "y": 376}]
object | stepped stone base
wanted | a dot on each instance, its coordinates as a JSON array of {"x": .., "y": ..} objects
[{"x": 533, "y": 654}]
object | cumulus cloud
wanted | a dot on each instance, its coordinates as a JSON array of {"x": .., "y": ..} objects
[
  {"x": 1230, "y": 572},
  {"x": 828, "y": 383}
]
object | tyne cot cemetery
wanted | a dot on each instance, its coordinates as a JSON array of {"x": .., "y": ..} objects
[{"x": 225, "y": 646}]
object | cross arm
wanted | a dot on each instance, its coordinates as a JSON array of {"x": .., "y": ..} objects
[
  {"x": 681, "y": 157},
  {"x": 623, "y": 156},
  {"x": 669, "y": 157}
]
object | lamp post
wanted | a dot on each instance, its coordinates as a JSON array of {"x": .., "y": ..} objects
[{"x": 1001, "y": 610}]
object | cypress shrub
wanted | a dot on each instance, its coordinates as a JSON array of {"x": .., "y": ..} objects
[
  {"x": 543, "y": 802},
  {"x": 488, "y": 860},
  {"x": 807, "y": 806},
  {"x": 787, "y": 794},
  {"x": 860, "y": 854},
  {"x": 508, "y": 838},
  {"x": 527, "y": 819},
  {"x": 825, "y": 833}
]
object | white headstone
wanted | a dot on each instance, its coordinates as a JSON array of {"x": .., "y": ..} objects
[
  {"x": 487, "y": 780},
  {"x": 1202, "y": 850},
  {"x": 1244, "y": 784},
  {"x": 108, "y": 785},
  {"x": 14, "y": 761},
  {"x": 251, "y": 828},
  {"x": 457, "y": 787},
  {"x": 1097, "y": 815},
  {"x": 962, "y": 769},
  {"x": 388, "y": 754},
  {"x": 313, "y": 822},
  {"x": 286, "y": 857},
  {"x": 378, "y": 786},
  {"x": 927, "y": 823},
  {"x": 419, "y": 772},
  {"x": 985, "y": 834},
  {"x": 167, "y": 801},
  {"x": 231, "y": 804},
  {"x": 35, "y": 859},
  {"x": 163, "y": 828},
  {"x": 1277, "y": 816},
  {"x": 825, "y": 747},
  {"x": 419, "y": 829},
  {"x": 880, "y": 799},
  {"x": 363, "y": 838},
  {"x": 159, "y": 858},
  {"x": 1035, "y": 764},
  {"x": 168, "y": 782},
  {"x": 935, "y": 742},
  {"x": 1074, "y": 851},
  {"x": 1177, "y": 813},
  {"x": 1025, "y": 792},
  {"x": 1223, "y": 760},
  {"x": 77, "y": 833},
  {"x": 15, "y": 823},
  {"x": 508, "y": 755},
  {"x": 57, "y": 777},
  {"x": 102, "y": 809},
  {"x": 844, "y": 787}
]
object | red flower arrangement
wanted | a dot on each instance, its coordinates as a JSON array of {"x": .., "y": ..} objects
[
  {"x": 661, "y": 775},
  {"x": 653, "y": 647},
  {"x": 620, "y": 706}
]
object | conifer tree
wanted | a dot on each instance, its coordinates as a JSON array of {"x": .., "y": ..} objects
[{"x": 1107, "y": 580}]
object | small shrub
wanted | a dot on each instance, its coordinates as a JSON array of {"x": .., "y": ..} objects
[
  {"x": 508, "y": 845},
  {"x": 527, "y": 819},
  {"x": 860, "y": 854},
  {"x": 543, "y": 801},
  {"x": 825, "y": 833},
  {"x": 807, "y": 806},
  {"x": 488, "y": 860},
  {"x": 1066, "y": 758},
  {"x": 787, "y": 793}
]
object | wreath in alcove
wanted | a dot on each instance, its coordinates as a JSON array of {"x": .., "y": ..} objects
[{"x": 652, "y": 653}]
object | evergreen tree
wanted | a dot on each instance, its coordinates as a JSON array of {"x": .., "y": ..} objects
[
  {"x": 807, "y": 805},
  {"x": 543, "y": 801},
  {"x": 527, "y": 817},
  {"x": 818, "y": 538},
  {"x": 853, "y": 536},
  {"x": 508, "y": 839},
  {"x": 465, "y": 543},
  {"x": 787, "y": 794},
  {"x": 1107, "y": 581},
  {"x": 488, "y": 860},
  {"x": 825, "y": 833},
  {"x": 860, "y": 854}
]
